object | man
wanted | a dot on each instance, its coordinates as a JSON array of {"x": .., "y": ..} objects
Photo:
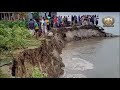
[
  {"x": 69, "y": 20},
  {"x": 40, "y": 29},
  {"x": 36, "y": 28},
  {"x": 66, "y": 21},
  {"x": 92, "y": 20},
  {"x": 75, "y": 19},
  {"x": 51, "y": 22},
  {"x": 59, "y": 21},
  {"x": 95, "y": 19},
  {"x": 31, "y": 26},
  {"x": 96, "y": 22},
  {"x": 45, "y": 28},
  {"x": 72, "y": 18},
  {"x": 48, "y": 24}
]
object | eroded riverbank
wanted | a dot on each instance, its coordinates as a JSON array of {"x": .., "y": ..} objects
[{"x": 47, "y": 56}]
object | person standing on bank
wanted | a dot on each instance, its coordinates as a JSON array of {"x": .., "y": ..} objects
[
  {"x": 55, "y": 22},
  {"x": 51, "y": 22},
  {"x": 45, "y": 28},
  {"x": 36, "y": 29},
  {"x": 48, "y": 24},
  {"x": 69, "y": 20},
  {"x": 31, "y": 26},
  {"x": 72, "y": 19},
  {"x": 96, "y": 22},
  {"x": 40, "y": 29},
  {"x": 75, "y": 19},
  {"x": 59, "y": 20}
]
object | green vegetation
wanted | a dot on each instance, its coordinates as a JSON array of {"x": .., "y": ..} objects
[
  {"x": 15, "y": 35},
  {"x": 10, "y": 24},
  {"x": 3, "y": 75},
  {"x": 37, "y": 73}
]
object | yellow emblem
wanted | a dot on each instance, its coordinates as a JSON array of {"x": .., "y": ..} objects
[{"x": 108, "y": 21}]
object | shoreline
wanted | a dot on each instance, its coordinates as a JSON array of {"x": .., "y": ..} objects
[{"x": 59, "y": 38}]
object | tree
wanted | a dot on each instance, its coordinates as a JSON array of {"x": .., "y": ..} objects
[
  {"x": 23, "y": 15},
  {"x": 36, "y": 15}
]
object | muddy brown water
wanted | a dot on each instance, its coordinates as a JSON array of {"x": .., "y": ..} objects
[{"x": 93, "y": 58}]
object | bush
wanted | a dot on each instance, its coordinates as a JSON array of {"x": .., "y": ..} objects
[
  {"x": 13, "y": 35},
  {"x": 37, "y": 73},
  {"x": 10, "y": 24}
]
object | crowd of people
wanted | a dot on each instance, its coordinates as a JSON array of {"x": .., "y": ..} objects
[
  {"x": 39, "y": 26},
  {"x": 43, "y": 25}
]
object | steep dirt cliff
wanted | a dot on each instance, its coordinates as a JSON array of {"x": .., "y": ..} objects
[{"x": 47, "y": 56}]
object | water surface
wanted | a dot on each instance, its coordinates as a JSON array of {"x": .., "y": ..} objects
[{"x": 94, "y": 58}]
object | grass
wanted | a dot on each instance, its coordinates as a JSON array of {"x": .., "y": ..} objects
[
  {"x": 14, "y": 37},
  {"x": 37, "y": 73},
  {"x": 2, "y": 75}
]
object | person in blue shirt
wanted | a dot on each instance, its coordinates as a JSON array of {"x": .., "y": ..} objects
[{"x": 31, "y": 26}]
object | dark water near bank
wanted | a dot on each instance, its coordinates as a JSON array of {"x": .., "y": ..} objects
[{"x": 94, "y": 58}]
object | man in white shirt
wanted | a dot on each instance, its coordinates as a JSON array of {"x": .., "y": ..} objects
[{"x": 69, "y": 19}]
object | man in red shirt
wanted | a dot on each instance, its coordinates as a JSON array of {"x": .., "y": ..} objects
[{"x": 55, "y": 21}]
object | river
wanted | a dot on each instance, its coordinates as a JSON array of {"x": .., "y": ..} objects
[{"x": 93, "y": 58}]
